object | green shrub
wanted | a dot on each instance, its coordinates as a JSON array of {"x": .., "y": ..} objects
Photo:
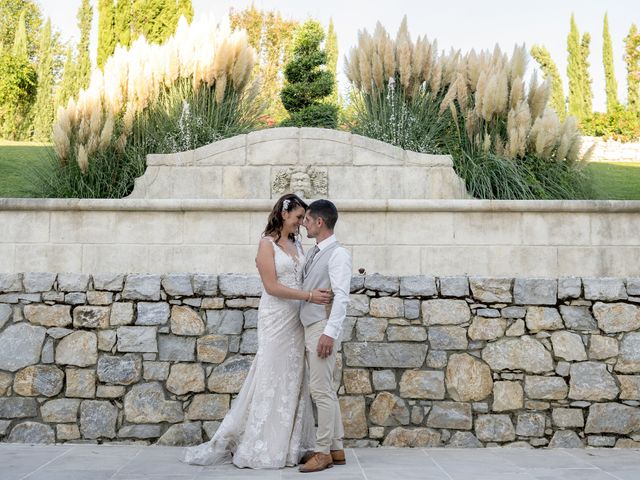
[
  {"x": 621, "y": 124},
  {"x": 18, "y": 89},
  {"x": 321, "y": 115},
  {"x": 307, "y": 82}
]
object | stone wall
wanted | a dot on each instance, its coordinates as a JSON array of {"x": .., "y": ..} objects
[
  {"x": 448, "y": 361},
  {"x": 611, "y": 150},
  {"x": 542, "y": 238},
  {"x": 313, "y": 162}
]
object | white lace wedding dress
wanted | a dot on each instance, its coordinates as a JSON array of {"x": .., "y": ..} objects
[{"x": 270, "y": 423}]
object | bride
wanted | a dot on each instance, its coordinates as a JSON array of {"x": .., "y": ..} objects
[{"x": 270, "y": 423}]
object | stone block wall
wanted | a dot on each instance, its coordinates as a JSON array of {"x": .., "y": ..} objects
[
  {"x": 327, "y": 163},
  {"x": 425, "y": 361},
  {"x": 610, "y": 150},
  {"x": 513, "y": 238}
]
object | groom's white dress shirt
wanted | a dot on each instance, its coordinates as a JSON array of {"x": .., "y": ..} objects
[{"x": 340, "y": 277}]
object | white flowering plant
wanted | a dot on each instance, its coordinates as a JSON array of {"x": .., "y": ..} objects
[
  {"x": 505, "y": 140},
  {"x": 190, "y": 91}
]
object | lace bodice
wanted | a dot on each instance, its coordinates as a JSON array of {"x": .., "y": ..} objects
[{"x": 288, "y": 268}]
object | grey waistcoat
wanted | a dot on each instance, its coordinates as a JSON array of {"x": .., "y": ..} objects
[{"x": 317, "y": 277}]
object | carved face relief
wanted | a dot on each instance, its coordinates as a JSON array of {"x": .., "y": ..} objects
[
  {"x": 301, "y": 183},
  {"x": 306, "y": 182}
]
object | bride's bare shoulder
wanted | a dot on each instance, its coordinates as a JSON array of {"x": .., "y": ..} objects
[{"x": 267, "y": 241}]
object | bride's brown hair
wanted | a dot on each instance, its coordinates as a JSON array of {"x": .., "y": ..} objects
[{"x": 275, "y": 222}]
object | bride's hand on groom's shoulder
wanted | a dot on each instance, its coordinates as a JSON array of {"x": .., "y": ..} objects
[{"x": 322, "y": 296}]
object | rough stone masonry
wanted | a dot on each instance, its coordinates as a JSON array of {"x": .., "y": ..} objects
[{"x": 449, "y": 361}]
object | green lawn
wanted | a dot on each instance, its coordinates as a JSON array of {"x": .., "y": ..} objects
[
  {"x": 612, "y": 181},
  {"x": 16, "y": 158},
  {"x": 616, "y": 181}
]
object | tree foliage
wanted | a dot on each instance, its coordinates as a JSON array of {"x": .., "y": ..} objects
[
  {"x": 550, "y": 70},
  {"x": 185, "y": 8},
  {"x": 331, "y": 46},
  {"x": 155, "y": 19},
  {"x": 308, "y": 82},
  {"x": 10, "y": 13},
  {"x": 43, "y": 106},
  {"x": 611, "y": 85},
  {"x": 619, "y": 124},
  {"x": 632, "y": 59},
  {"x": 83, "y": 69},
  {"x": 31, "y": 63},
  {"x": 20, "y": 45},
  {"x": 587, "y": 101},
  {"x": 18, "y": 83},
  {"x": 106, "y": 30},
  {"x": 580, "y": 95},
  {"x": 573, "y": 71},
  {"x": 272, "y": 37},
  {"x": 122, "y": 22},
  {"x": 66, "y": 87}
]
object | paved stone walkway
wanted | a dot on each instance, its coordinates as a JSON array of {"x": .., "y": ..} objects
[{"x": 119, "y": 462}]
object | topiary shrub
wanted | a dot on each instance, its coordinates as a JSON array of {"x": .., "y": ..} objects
[{"x": 307, "y": 82}]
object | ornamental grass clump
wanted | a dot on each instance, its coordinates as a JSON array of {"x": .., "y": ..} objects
[
  {"x": 150, "y": 98},
  {"x": 397, "y": 90},
  {"x": 506, "y": 141}
]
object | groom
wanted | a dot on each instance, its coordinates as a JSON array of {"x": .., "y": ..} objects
[{"x": 327, "y": 266}]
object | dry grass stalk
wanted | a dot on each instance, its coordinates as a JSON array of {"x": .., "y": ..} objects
[
  {"x": 207, "y": 53},
  {"x": 487, "y": 88}
]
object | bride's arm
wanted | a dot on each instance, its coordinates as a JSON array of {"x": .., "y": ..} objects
[{"x": 267, "y": 269}]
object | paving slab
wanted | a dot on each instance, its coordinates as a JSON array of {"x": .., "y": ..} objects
[{"x": 136, "y": 462}]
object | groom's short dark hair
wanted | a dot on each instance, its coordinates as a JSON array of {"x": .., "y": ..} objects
[{"x": 325, "y": 210}]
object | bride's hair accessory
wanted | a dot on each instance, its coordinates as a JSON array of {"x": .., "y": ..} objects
[{"x": 285, "y": 205}]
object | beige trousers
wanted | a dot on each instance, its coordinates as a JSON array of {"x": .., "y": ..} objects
[{"x": 330, "y": 431}]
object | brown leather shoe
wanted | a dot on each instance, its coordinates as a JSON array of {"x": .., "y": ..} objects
[
  {"x": 338, "y": 457},
  {"x": 306, "y": 457},
  {"x": 317, "y": 463}
]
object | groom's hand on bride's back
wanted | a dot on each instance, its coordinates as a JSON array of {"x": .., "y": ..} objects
[{"x": 321, "y": 296}]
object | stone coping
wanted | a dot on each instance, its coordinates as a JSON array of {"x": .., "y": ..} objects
[
  {"x": 349, "y": 144},
  {"x": 354, "y": 205}
]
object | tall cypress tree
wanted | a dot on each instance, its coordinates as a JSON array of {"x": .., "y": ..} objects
[
  {"x": 331, "y": 46},
  {"x": 550, "y": 70},
  {"x": 43, "y": 106},
  {"x": 585, "y": 76},
  {"x": 272, "y": 36},
  {"x": 11, "y": 15},
  {"x": 83, "y": 72},
  {"x": 106, "y": 31},
  {"x": 155, "y": 19},
  {"x": 18, "y": 81},
  {"x": 151, "y": 18},
  {"x": 66, "y": 88},
  {"x": 611, "y": 85},
  {"x": 20, "y": 47},
  {"x": 123, "y": 22},
  {"x": 632, "y": 59},
  {"x": 185, "y": 9},
  {"x": 574, "y": 71}
]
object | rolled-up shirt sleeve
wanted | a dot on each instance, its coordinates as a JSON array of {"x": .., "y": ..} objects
[{"x": 340, "y": 277}]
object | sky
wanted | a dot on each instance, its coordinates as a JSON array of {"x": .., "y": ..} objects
[{"x": 459, "y": 24}]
